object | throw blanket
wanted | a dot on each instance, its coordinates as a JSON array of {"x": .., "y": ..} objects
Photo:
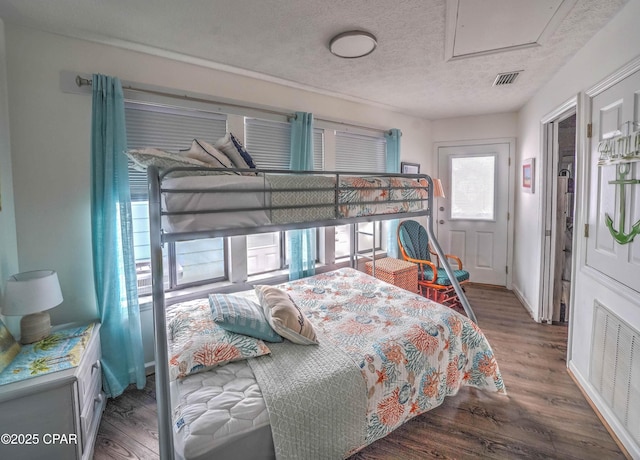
[
  {"x": 408, "y": 351},
  {"x": 316, "y": 400}
]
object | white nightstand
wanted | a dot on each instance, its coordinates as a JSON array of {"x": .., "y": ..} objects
[{"x": 55, "y": 415}]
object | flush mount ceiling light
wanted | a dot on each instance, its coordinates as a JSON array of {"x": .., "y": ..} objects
[{"x": 353, "y": 44}]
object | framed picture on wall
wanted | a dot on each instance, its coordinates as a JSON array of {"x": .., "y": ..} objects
[
  {"x": 410, "y": 168},
  {"x": 528, "y": 175}
]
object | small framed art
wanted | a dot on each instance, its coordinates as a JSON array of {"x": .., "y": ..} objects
[
  {"x": 410, "y": 168},
  {"x": 528, "y": 175}
]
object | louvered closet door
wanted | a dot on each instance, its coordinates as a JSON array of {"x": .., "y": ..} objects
[{"x": 610, "y": 110}]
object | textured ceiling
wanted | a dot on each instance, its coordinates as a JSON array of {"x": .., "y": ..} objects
[{"x": 287, "y": 40}]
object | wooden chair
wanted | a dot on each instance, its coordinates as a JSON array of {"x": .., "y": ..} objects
[{"x": 433, "y": 281}]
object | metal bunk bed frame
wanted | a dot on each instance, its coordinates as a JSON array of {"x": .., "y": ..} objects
[{"x": 158, "y": 238}]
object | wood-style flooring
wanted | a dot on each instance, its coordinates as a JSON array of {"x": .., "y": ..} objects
[{"x": 544, "y": 415}]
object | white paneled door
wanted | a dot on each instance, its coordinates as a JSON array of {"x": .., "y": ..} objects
[
  {"x": 472, "y": 219},
  {"x": 614, "y": 190}
]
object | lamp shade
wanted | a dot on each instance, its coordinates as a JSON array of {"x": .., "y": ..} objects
[
  {"x": 31, "y": 292},
  {"x": 438, "y": 190}
]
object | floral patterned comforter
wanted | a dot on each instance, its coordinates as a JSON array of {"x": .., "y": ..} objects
[
  {"x": 411, "y": 352},
  {"x": 390, "y": 194}
]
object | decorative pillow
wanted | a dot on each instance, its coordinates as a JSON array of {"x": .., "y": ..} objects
[
  {"x": 234, "y": 149},
  {"x": 205, "y": 152},
  {"x": 143, "y": 158},
  {"x": 284, "y": 316},
  {"x": 197, "y": 343},
  {"x": 242, "y": 316}
]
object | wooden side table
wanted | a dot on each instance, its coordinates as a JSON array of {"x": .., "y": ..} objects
[
  {"x": 397, "y": 272},
  {"x": 54, "y": 415}
]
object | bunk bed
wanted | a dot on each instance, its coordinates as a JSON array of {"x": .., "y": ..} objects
[{"x": 187, "y": 203}]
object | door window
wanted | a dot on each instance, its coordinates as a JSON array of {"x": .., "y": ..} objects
[{"x": 473, "y": 187}]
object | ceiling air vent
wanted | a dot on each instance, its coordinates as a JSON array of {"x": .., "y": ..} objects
[{"x": 506, "y": 78}]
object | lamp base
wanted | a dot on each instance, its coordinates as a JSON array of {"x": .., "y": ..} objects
[{"x": 35, "y": 327}]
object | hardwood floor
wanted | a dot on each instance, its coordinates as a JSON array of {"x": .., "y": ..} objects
[{"x": 544, "y": 414}]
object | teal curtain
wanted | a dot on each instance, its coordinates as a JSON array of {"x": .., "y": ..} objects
[
  {"x": 393, "y": 166},
  {"x": 112, "y": 241},
  {"x": 302, "y": 243}
]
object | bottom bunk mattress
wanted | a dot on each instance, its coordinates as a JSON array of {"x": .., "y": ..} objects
[{"x": 384, "y": 356}]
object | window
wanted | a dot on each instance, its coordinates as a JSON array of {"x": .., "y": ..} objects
[
  {"x": 473, "y": 187},
  {"x": 360, "y": 153},
  {"x": 269, "y": 143},
  {"x": 356, "y": 152},
  {"x": 171, "y": 129}
]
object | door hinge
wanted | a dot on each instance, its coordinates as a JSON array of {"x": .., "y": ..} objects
[
  {"x": 509, "y": 161},
  {"x": 586, "y": 230},
  {"x": 506, "y": 269},
  {"x": 508, "y": 216},
  {"x": 589, "y": 130}
]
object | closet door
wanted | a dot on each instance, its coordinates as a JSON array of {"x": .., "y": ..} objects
[{"x": 611, "y": 109}]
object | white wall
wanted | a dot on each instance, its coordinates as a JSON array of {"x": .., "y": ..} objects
[
  {"x": 610, "y": 49},
  {"x": 480, "y": 127},
  {"x": 615, "y": 45},
  {"x": 50, "y": 139},
  {"x": 8, "y": 241}
]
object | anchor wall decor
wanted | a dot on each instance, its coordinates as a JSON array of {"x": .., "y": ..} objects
[{"x": 621, "y": 150}]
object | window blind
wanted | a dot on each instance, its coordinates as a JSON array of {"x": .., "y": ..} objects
[
  {"x": 166, "y": 128},
  {"x": 360, "y": 153},
  {"x": 269, "y": 144}
]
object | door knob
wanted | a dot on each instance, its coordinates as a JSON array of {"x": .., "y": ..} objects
[
  {"x": 441, "y": 208},
  {"x": 441, "y": 221}
]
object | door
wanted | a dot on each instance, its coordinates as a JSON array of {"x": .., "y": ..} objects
[
  {"x": 473, "y": 217},
  {"x": 613, "y": 113}
]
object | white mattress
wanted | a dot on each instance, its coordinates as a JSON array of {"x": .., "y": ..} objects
[
  {"x": 294, "y": 198},
  {"x": 194, "y": 201},
  {"x": 221, "y": 414}
]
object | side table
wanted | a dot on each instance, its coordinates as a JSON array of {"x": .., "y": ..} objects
[
  {"x": 397, "y": 272},
  {"x": 50, "y": 413}
]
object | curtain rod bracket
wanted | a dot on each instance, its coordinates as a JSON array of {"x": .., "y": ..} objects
[{"x": 83, "y": 81}]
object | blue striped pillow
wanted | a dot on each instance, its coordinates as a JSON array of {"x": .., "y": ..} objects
[{"x": 242, "y": 316}]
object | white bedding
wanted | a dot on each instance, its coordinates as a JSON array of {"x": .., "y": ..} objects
[
  {"x": 410, "y": 352},
  {"x": 194, "y": 201},
  {"x": 296, "y": 198}
]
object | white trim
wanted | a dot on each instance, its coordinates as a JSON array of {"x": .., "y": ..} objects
[
  {"x": 510, "y": 188},
  {"x": 206, "y": 63},
  {"x": 450, "y": 31},
  {"x": 547, "y": 167},
  {"x": 518, "y": 293},
  {"x": 616, "y": 77}
]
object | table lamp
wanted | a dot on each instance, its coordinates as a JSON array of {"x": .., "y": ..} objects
[{"x": 30, "y": 294}]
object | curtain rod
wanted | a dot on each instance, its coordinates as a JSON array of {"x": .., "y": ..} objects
[{"x": 81, "y": 81}]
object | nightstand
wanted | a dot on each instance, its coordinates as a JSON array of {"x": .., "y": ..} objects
[
  {"x": 55, "y": 415},
  {"x": 397, "y": 272}
]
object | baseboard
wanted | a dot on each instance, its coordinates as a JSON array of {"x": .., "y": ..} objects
[
  {"x": 524, "y": 302},
  {"x": 627, "y": 446}
]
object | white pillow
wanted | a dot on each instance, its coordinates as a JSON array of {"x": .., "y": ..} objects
[
  {"x": 203, "y": 151},
  {"x": 143, "y": 158},
  {"x": 284, "y": 316},
  {"x": 230, "y": 149}
]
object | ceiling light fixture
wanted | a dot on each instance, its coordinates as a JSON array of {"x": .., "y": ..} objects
[{"x": 353, "y": 44}]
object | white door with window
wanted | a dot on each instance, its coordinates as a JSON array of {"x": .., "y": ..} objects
[{"x": 472, "y": 220}]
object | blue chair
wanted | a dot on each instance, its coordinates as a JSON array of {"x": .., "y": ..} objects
[{"x": 433, "y": 281}]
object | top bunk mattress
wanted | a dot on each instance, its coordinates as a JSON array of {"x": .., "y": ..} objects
[{"x": 200, "y": 203}]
